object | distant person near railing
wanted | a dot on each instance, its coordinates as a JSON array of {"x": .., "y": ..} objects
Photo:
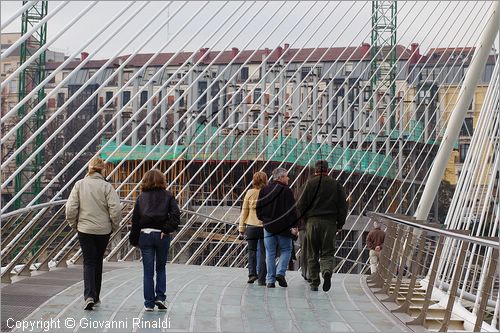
[{"x": 374, "y": 242}]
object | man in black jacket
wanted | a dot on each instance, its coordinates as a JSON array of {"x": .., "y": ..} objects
[
  {"x": 276, "y": 209},
  {"x": 324, "y": 208}
]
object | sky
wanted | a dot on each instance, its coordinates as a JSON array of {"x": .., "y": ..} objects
[{"x": 249, "y": 25}]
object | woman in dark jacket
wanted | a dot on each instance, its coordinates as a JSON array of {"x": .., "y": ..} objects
[{"x": 155, "y": 216}]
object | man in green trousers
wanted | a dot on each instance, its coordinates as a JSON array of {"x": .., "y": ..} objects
[{"x": 324, "y": 208}]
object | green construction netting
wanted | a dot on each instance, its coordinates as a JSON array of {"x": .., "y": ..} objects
[{"x": 278, "y": 149}]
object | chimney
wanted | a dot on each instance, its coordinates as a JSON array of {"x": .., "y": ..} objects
[
  {"x": 365, "y": 48},
  {"x": 234, "y": 52},
  {"x": 203, "y": 52},
  {"x": 267, "y": 51},
  {"x": 84, "y": 55},
  {"x": 286, "y": 46},
  {"x": 415, "y": 53},
  {"x": 279, "y": 51}
]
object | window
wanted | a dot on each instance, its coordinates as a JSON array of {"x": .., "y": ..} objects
[
  {"x": 277, "y": 99},
  {"x": 238, "y": 98},
  {"x": 463, "y": 149},
  {"x": 125, "y": 97},
  {"x": 467, "y": 127},
  {"x": 305, "y": 72},
  {"x": 7, "y": 68},
  {"x": 256, "y": 95},
  {"x": 109, "y": 96},
  {"x": 181, "y": 99},
  {"x": 471, "y": 106},
  {"x": 13, "y": 86},
  {"x": 144, "y": 97},
  {"x": 65, "y": 75},
  {"x": 60, "y": 99},
  {"x": 127, "y": 75},
  {"x": 348, "y": 68},
  {"x": 423, "y": 74},
  {"x": 202, "y": 91},
  {"x": 244, "y": 73}
]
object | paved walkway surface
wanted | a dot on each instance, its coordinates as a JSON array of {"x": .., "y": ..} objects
[{"x": 215, "y": 299}]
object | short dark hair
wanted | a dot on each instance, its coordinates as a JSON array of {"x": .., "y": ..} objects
[{"x": 321, "y": 166}]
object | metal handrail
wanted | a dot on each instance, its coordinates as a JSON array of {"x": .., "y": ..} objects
[
  {"x": 31, "y": 208},
  {"x": 444, "y": 232},
  {"x": 207, "y": 217},
  {"x": 402, "y": 254},
  {"x": 55, "y": 203}
]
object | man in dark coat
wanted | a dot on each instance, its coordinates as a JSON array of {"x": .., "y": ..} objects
[
  {"x": 276, "y": 209},
  {"x": 324, "y": 208}
]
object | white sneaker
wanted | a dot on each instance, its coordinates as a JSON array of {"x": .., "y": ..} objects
[
  {"x": 89, "y": 304},
  {"x": 148, "y": 309},
  {"x": 162, "y": 305}
]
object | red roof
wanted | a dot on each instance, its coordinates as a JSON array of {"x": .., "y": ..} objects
[
  {"x": 457, "y": 55},
  {"x": 359, "y": 53}
]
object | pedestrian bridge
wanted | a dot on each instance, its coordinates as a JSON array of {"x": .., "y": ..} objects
[
  {"x": 45, "y": 291},
  {"x": 200, "y": 299},
  {"x": 237, "y": 87}
]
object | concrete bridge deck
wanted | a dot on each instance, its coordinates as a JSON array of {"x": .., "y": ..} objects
[{"x": 200, "y": 299}]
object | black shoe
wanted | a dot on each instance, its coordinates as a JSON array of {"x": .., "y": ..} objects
[
  {"x": 281, "y": 281},
  {"x": 260, "y": 283},
  {"x": 314, "y": 288},
  {"x": 89, "y": 304},
  {"x": 327, "y": 276},
  {"x": 271, "y": 285},
  {"x": 252, "y": 278}
]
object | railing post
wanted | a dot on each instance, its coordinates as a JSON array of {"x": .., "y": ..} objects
[
  {"x": 407, "y": 245},
  {"x": 486, "y": 289},
  {"x": 454, "y": 286},
  {"x": 392, "y": 263},
  {"x": 44, "y": 266},
  {"x": 405, "y": 307},
  {"x": 385, "y": 254},
  {"x": 420, "y": 320}
]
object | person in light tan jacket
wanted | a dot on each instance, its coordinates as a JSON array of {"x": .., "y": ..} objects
[
  {"x": 252, "y": 228},
  {"x": 93, "y": 210}
]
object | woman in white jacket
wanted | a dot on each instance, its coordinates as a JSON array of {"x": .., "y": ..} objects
[{"x": 93, "y": 210}]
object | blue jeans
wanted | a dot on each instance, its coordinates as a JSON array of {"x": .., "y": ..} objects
[
  {"x": 152, "y": 247},
  {"x": 271, "y": 241}
]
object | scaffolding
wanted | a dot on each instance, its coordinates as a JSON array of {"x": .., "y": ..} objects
[{"x": 29, "y": 78}]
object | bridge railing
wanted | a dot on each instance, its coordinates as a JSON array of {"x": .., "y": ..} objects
[
  {"x": 38, "y": 237},
  {"x": 428, "y": 272}
]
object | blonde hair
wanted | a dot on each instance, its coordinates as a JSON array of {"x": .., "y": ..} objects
[
  {"x": 96, "y": 164},
  {"x": 259, "y": 180},
  {"x": 154, "y": 179}
]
